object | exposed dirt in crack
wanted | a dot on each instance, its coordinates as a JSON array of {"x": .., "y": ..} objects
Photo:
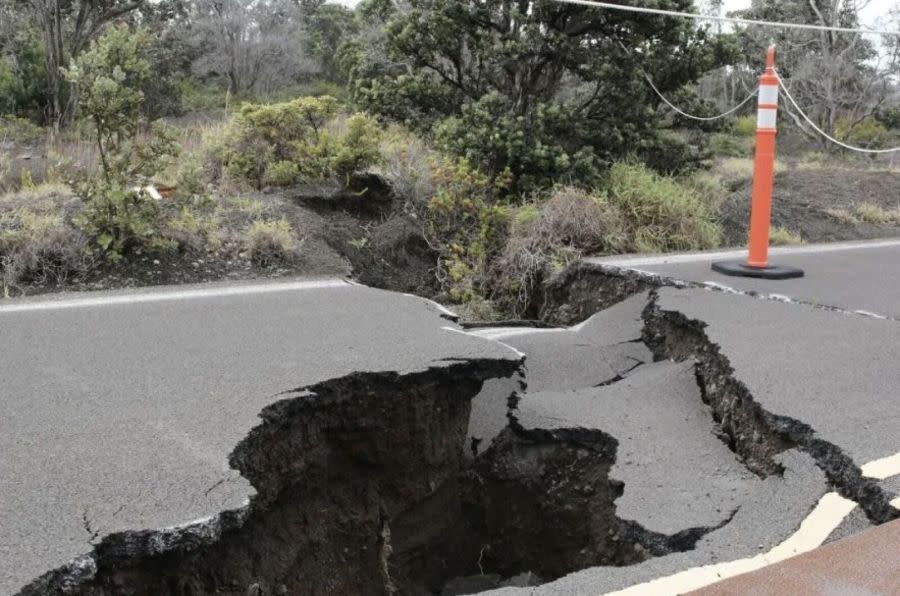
[
  {"x": 345, "y": 471},
  {"x": 585, "y": 289},
  {"x": 363, "y": 488},
  {"x": 755, "y": 434}
]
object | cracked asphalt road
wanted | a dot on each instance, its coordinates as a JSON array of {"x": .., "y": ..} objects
[
  {"x": 119, "y": 410},
  {"x": 851, "y": 276}
]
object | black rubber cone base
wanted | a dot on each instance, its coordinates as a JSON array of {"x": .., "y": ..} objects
[{"x": 741, "y": 269}]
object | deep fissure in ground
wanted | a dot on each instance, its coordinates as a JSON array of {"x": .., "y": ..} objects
[
  {"x": 363, "y": 488},
  {"x": 755, "y": 434}
]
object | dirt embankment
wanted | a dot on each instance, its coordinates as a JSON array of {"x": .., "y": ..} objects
[{"x": 816, "y": 204}]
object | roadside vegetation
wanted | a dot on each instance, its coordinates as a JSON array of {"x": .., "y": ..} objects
[{"x": 148, "y": 148}]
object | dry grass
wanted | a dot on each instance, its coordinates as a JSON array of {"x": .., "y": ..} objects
[
  {"x": 660, "y": 213},
  {"x": 407, "y": 166},
  {"x": 572, "y": 222},
  {"x": 270, "y": 242},
  {"x": 40, "y": 248},
  {"x": 779, "y": 236},
  {"x": 875, "y": 214},
  {"x": 842, "y": 215}
]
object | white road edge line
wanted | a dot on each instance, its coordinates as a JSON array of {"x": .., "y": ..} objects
[
  {"x": 142, "y": 298},
  {"x": 631, "y": 262},
  {"x": 813, "y": 531}
]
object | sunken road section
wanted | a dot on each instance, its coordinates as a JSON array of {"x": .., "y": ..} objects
[
  {"x": 363, "y": 487},
  {"x": 373, "y": 483}
]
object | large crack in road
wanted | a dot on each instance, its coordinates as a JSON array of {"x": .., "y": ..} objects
[{"x": 616, "y": 451}]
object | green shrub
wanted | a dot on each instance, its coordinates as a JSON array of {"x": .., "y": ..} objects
[
  {"x": 23, "y": 75},
  {"x": 19, "y": 130},
  {"x": 193, "y": 231},
  {"x": 466, "y": 225},
  {"x": 670, "y": 152},
  {"x": 489, "y": 134},
  {"x": 726, "y": 145},
  {"x": 282, "y": 173},
  {"x": 261, "y": 140},
  {"x": 270, "y": 242},
  {"x": 359, "y": 149},
  {"x": 868, "y": 133},
  {"x": 524, "y": 219},
  {"x": 744, "y": 126},
  {"x": 191, "y": 180},
  {"x": 118, "y": 215},
  {"x": 660, "y": 214}
]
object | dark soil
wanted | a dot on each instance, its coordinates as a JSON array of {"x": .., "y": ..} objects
[
  {"x": 347, "y": 232},
  {"x": 802, "y": 198},
  {"x": 363, "y": 488},
  {"x": 384, "y": 245}
]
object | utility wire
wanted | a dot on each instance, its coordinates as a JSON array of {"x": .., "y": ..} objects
[
  {"x": 700, "y": 118},
  {"x": 701, "y": 17},
  {"x": 676, "y": 108},
  {"x": 822, "y": 132}
]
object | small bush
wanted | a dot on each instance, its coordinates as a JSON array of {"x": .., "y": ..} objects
[
  {"x": 867, "y": 133},
  {"x": 193, "y": 231},
  {"x": 570, "y": 224},
  {"x": 875, "y": 214},
  {"x": 725, "y": 145},
  {"x": 779, "y": 236},
  {"x": 524, "y": 220},
  {"x": 40, "y": 248},
  {"x": 842, "y": 215},
  {"x": 466, "y": 225},
  {"x": 358, "y": 149},
  {"x": 117, "y": 214},
  {"x": 19, "y": 131},
  {"x": 270, "y": 242},
  {"x": 661, "y": 214},
  {"x": 282, "y": 173},
  {"x": 744, "y": 126},
  {"x": 406, "y": 165},
  {"x": 261, "y": 140}
]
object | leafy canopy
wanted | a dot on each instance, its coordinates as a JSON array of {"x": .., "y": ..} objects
[{"x": 549, "y": 91}]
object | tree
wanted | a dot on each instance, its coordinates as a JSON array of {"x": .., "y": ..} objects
[
  {"x": 67, "y": 28},
  {"x": 327, "y": 26},
  {"x": 109, "y": 78},
  {"x": 255, "y": 45},
  {"x": 549, "y": 91},
  {"x": 840, "y": 79}
]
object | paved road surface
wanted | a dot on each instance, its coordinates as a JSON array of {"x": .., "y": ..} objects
[
  {"x": 852, "y": 276},
  {"x": 119, "y": 410}
]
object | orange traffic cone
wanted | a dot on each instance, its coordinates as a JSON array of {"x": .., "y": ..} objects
[{"x": 757, "y": 264}]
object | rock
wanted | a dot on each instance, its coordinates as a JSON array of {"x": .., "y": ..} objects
[
  {"x": 523, "y": 580},
  {"x": 472, "y": 584}
]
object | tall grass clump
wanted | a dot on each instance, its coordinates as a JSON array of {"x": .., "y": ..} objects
[{"x": 660, "y": 213}]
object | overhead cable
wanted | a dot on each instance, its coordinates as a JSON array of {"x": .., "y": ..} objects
[{"x": 721, "y": 19}]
